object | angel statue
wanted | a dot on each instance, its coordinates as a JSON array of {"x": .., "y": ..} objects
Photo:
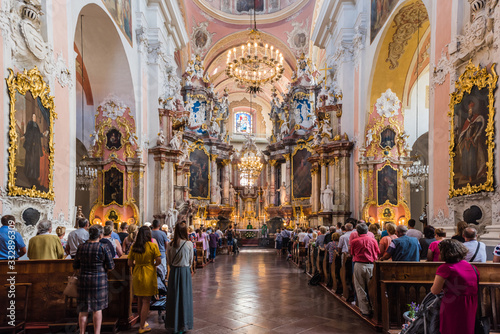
[
  {"x": 284, "y": 129},
  {"x": 161, "y": 138},
  {"x": 283, "y": 196},
  {"x": 369, "y": 137},
  {"x": 326, "y": 128},
  {"x": 176, "y": 141},
  {"x": 172, "y": 217}
]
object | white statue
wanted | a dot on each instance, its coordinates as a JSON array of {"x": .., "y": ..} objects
[
  {"x": 327, "y": 199},
  {"x": 283, "y": 196},
  {"x": 231, "y": 195},
  {"x": 161, "y": 138},
  {"x": 216, "y": 197},
  {"x": 215, "y": 128},
  {"x": 172, "y": 217},
  {"x": 369, "y": 137},
  {"x": 176, "y": 140},
  {"x": 284, "y": 129},
  {"x": 326, "y": 128}
]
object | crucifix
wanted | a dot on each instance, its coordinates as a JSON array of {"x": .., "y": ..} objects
[{"x": 325, "y": 69}]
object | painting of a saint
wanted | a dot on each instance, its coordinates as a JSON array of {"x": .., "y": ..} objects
[
  {"x": 387, "y": 186},
  {"x": 113, "y": 186},
  {"x": 470, "y": 138},
  {"x": 380, "y": 11},
  {"x": 121, "y": 12},
  {"x": 387, "y": 138},
  {"x": 200, "y": 39},
  {"x": 243, "y": 122},
  {"x": 247, "y": 5},
  {"x": 302, "y": 179},
  {"x": 32, "y": 159},
  {"x": 300, "y": 40},
  {"x": 198, "y": 178},
  {"x": 113, "y": 139}
]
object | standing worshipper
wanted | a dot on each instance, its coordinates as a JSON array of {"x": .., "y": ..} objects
[
  {"x": 114, "y": 235},
  {"x": 390, "y": 228},
  {"x": 404, "y": 248},
  {"x": 12, "y": 245},
  {"x": 180, "y": 291},
  {"x": 162, "y": 239},
  {"x": 45, "y": 246},
  {"x": 229, "y": 237},
  {"x": 123, "y": 234},
  {"x": 364, "y": 250},
  {"x": 94, "y": 261},
  {"x": 427, "y": 240},
  {"x": 477, "y": 249},
  {"x": 144, "y": 257},
  {"x": 412, "y": 231},
  {"x": 212, "y": 243},
  {"x": 433, "y": 252},
  {"x": 279, "y": 241},
  {"x": 129, "y": 240},
  {"x": 204, "y": 239}
]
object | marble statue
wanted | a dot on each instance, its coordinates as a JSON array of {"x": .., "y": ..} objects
[
  {"x": 217, "y": 197},
  {"x": 215, "y": 128},
  {"x": 161, "y": 138},
  {"x": 284, "y": 129},
  {"x": 369, "y": 137},
  {"x": 176, "y": 141},
  {"x": 172, "y": 217},
  {"x": 326, "y": 129},
  {"x": 231, "y": 195},
  {"x": 283, "y": 196},
  {"x": 327, "y": 199}
]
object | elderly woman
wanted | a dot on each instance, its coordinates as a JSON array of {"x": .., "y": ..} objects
[
  {"x": 45, "y": 246},
  {"x": 61, "y": 232},
  {"x": 458, "y": 279},
  {"x": 386, "y": 241},
  {"x": 94, "y": 261}
]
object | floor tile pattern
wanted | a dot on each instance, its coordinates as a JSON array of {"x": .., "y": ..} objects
[{"x": 258, "y": 292}]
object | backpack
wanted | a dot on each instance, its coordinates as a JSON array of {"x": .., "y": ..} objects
[
  {"x": 315, "y": 279},
  {"x": 427, "y": 318}
]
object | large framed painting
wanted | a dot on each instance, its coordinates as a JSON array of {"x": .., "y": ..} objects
[
  {"x": 387, "y": 138},
  {"x": 121, "y": 12},
  {"x": 301, "y": 171},
  {"x": 113, "y": 186},
  {"x": 387, "y": 186},
  {"x": 380, "y": 11},
  {"x": 199, "y": 172},
  {"x": 31, "y": 135},
  {"x": 472, "y": 132}
]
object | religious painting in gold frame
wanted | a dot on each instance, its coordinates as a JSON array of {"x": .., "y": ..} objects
[
  {"x": 387, "y": 186},
  {"x": 113, "y": 186},
  {"x": 31, "y": 135},
  {"x": 301, "y": 172},
  {"x": 472, "y": 131},
  {"x": 199, "y": 171}
]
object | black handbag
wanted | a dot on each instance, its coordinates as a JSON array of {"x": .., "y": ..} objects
[{"x": 482, "y": 324}]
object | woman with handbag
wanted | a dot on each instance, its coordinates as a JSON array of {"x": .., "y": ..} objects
[
  {"x": 180, "y": 292},
  {"x": 94, "y": 261},
  {"x": 144, "y": 257},
  {"x": 459, "y": 281}
]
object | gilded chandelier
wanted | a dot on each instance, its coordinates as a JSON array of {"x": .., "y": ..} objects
[
  {"x": 250, "y": 165},
  {"x": 254, "y": 64}
]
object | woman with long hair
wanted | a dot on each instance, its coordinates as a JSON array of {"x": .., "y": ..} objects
[
  {"x": 129, "y": 240},
  {"x": 461, "y": 226},
  {"x": 144, "y": 257},
  {"x": 180, "y": 291}
]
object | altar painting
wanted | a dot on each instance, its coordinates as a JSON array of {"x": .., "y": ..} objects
[
  {"x": 243, "y": 122},
  {"x": 302, "y": 178},
  {"x": 303, "y": 112},
  {"x": 380, "y": 11},
  {"x": 197, "y": 116},
  {"x": 387, "y": 186},
  {"x": 113, "y": 186},
  {"x": 121, "y": 12},
  {"x": 199, "y": 174}
]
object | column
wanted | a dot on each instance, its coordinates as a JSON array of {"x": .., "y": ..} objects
[
  {"x": 213, "y": 178},
  {"x": 225, "y": 182},
  {"x": 345, "y": 176},
  {"x": 314, "y": 195},
  {"x": 288, "y": 180},
  {"x": 324, "y": 176},
  {"x": 169, "y": 180},
  {"x": 272, "y": 189}
]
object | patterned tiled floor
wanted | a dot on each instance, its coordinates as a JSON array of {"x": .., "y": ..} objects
[{"x": 258, "y": 292}]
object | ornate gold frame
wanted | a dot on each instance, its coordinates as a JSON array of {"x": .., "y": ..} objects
[
  {"x": 474, "y": 76},
  {"x": 379, "y": 137},
  {"x": 399, "y": 184},
  {"x": 23, "y": 82},
  {"x": 122, "y": 142},
  {"x": 200, "y": 145},
  {"x": 125, "y": 191},
  {"x": 301, "y": 144}
]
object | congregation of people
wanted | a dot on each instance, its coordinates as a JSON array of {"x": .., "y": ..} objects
[{"x": 364, "y": 244}]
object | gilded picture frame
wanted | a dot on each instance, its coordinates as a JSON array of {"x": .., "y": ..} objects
[
  {"x": 388, "y": 185},
  {"x": 472, "y": 131},
  {"x": 31, "y": 139},
  {"x": 113, "y": 186}
]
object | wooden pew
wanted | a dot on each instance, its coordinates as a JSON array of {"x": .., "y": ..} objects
[
  {"x": 302, "y": 252},
  {"x": 324, "y": 270},
  {"x": 346, "y": 277},
  {"x": 48, "y": 279},
  {"x": 335, "y": 272},
  {"x": 200, "y": 255}
]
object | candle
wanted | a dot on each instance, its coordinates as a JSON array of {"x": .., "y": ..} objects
[{"x": 272, "y": 47}]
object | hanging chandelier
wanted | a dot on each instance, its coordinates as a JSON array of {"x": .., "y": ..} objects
[
  {"x": 416, "y": 175},
  {"x": 254, "y": 64},
  {"x": 250, "y": 165},
  {"x": 85, "y": 175}
]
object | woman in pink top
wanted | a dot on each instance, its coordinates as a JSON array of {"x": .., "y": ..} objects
[
  {"x": 386, "y": 241},
  {"x": 204, "y": 239},
  {"x": 433, "y": 252}
]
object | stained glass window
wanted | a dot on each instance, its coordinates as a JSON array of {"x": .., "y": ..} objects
[{"x": 243, "y": 122}]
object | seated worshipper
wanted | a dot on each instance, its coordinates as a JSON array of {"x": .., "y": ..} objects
[
  {"x": 461, "y": 226},
  {"x": 123, "y": 232},
  {"x": 364, "y": 251},
  {"x": 496, "y": 254},
  {"x": 302, "y": 235},
  {"x": 144, "y": 257},
  {"x": 114, "y": 245},
  {"x": 425, "y": 242},
  {"x": 114, "y": 235},
  {"x": 477, "y": 249},
  {"x": 404, "y": 248},
  {"x": 412, "y": 231},
  {"x": 61, "y": 232},
  {"x": 433, "y": 252},
  {"x": 320, "y": 243},
  {"x": 458, "y": 279},
  {"x": 94, "y": 260},
  {"x": 212, "y": 243},
  {"x": 162, "y": 240},
  {"x": 45, "y": 246},
  {"x": 279, "y": 241},
  {"x": 9, "y": 235},
  {"x": 339, "y": 228},
  {"x": 344, "y": 239},
  {"x": 129, "y": 240},
  {"x": 77, "y": 237},
  {"x": 331, "y": 248},
  {"x": 390, "y": 228}
]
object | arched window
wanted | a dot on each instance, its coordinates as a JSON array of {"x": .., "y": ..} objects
[{"x": 242, "y": 122}]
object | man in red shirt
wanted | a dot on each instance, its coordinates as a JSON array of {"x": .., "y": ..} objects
[{"x": 364, "y": 251}]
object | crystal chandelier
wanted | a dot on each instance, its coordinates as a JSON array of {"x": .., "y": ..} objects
[
  {"x": 416, "y": 175},
  {"x": 85, "y": 175},
  {"x": 254, "y": 63},
  {"x": 250, "y": 165}
]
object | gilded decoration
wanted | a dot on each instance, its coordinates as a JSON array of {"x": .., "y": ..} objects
[
  {"x": 388, "y": 185},
  {"x": 472, "y": 131},
  {"x": 301, "y": 171},
  {"x": 31, "y": 150}
]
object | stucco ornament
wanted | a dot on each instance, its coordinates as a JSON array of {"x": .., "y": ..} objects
[
  {"x": 298, "y": 38},
  {"x": 388, "y": 104},
  {"x": 113, "y": 108},
  {"x": 201, "y": 38}
]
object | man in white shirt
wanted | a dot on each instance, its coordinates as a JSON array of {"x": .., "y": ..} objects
[
  {"x": 302, "y": 235},
  {"x": 344, "y": 239},
  {"x": 412, "y": 231},
  {"x": 477, "y": 250}
]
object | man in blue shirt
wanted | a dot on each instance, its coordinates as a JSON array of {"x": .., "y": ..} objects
[
  {"x": 404, "y": 248},
  {"x": 12, "y": 245},
  {"x": 162, "y": 239}
]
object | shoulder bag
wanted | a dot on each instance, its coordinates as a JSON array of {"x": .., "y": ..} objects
[
  {"x": 71, "y": 289},
  {"x": 177, "y": 253},
  {"x": 475, "y": 254},
  {"x": 482, "y": 324}
]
